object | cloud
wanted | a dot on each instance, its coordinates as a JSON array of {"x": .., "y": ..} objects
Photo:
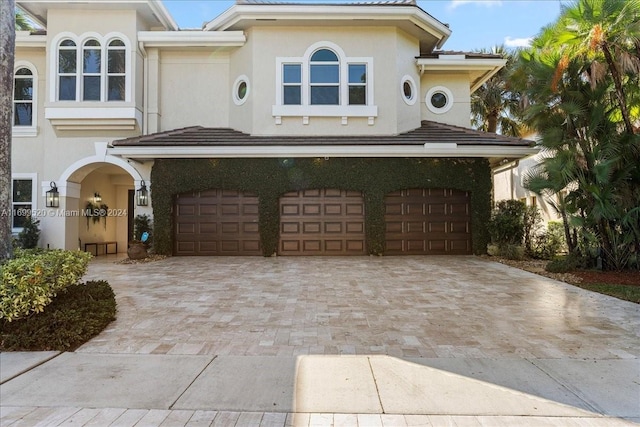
[
  {"x": 521, "y": 42},
  {"x": 488, "y": 3}
]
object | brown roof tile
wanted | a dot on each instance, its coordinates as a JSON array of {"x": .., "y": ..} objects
[{"x": 429, "y": 132}]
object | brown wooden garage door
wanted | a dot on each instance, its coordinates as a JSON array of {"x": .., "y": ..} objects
[
  {"x": 322, "y": 222},
  {"x": 216, "y": 222},
  {"x": 427, "y": 221}
]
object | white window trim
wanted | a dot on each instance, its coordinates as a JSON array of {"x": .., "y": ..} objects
[
  {"x": 447, "y": 106},
  {"x": 305, "y": 109},
  {"x": 236, "y": 85},
  {"x": 80, "y": 40},
  {"x": 34, "y": 194},
  {"x": 414, "y": 90},
  {"x": 27, "y": 131}
]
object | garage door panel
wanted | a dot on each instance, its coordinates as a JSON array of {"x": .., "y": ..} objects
[
  {"x": 216, "y": 222},
  {"x": 427, "y": 221},
  {"x": 328, "y": 220}
]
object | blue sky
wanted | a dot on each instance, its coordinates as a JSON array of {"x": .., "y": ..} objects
[{"x": 476, "y": 24}]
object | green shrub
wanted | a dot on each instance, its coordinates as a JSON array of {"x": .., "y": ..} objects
[
  {"x": 566, "y": 264},
  {"x": 549, "y": 243},
  {"x": 76, "y": 315},
  {"x": 507, "y": 222},
  {"x": 30, "y": 234},
  {"x": 32, "y": 279}
]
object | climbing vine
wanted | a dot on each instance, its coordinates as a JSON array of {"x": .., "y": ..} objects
[{"x": 270, "y": 178}]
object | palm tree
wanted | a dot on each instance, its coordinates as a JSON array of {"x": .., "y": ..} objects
[
  {"x": 598, "y": 31},
  {"x": 22, "y": 23},
  {"x": 494, "y": 106},
  {"x": 7, "y": 58}
]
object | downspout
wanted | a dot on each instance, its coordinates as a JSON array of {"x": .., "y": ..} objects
[{"x": 145, "y": 88}]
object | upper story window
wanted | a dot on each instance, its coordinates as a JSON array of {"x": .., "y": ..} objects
[
  {"x": 23, "y": 98},
  {"x": 83, "y": 74},
  {"x": 324, "y": 82},
  {"x": 25, "y": 102}
]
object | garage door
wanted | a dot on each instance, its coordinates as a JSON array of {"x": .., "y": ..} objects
[
  {"x": 427, "y": 221},
  {"x": 322, "y": 222},
  {"x": 216, "y": 222}
]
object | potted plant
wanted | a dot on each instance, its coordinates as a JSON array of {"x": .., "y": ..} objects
[{"x": 139, "y": 246}]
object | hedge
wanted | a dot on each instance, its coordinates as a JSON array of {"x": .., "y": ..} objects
[
  {"x": 271, "y": 178},
  {"x": 33, "y": 278}
]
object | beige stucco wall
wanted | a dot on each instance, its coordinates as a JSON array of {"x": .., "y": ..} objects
[
  {"x": 458, "y": 84},
  {"x": 194, "y": 89}
]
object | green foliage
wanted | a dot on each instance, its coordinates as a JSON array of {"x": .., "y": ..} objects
[
  {"x": 271, "y": 178},
  {"x": 565, "y": 264},
  {"x": 32, "y": 279},
  {"x": 30, "y": 234},
  {"x": 623, "y": 292},
  {"x": 547, "y": 244},
  {"x": 531, "y": 221},
  {"x": 76, "y": 315},
  {"x": 507, "y": 222},
  {"x": 141, "y": 224}
]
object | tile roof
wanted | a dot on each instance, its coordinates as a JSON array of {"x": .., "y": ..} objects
[
  {"x": 429, "y": 132},
  {"x": 474, "y": 55},
  {"x": 354, "y": 3}
]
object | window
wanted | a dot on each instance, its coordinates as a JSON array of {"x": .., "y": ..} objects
[
  {"x": 324, "y": 71},
  {"x": 241, "y": 90},
  {"x": 23, "y": 98},
  {"x": 91, "y": 67},
  {"x": 22, "y": 201},
  {"x": 408, "y": 90},
  {"x": 357, "y": 84},
  {"x": 292, "y": 84},
  {"x": 84, "y": 75},
  {"x": 324, "y": 83},
  {"x": 439, "y": 100},
  {"x": 67, "y": 56},
  {"x": 116, "y": 70}
]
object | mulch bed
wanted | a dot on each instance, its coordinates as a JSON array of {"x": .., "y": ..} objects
[{"x": 631, "y": 278}]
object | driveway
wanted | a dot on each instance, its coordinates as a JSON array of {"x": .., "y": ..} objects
[{"x": 408, "y": 307}]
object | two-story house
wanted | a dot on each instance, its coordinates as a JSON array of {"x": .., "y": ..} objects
[{"x": 287, "y": 128}]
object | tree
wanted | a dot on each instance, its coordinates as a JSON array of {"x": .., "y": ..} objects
[
  {"x": 22, "y": 23},
  {"x": 7, "y": 58},
  {"x": 495, "y": 107}
]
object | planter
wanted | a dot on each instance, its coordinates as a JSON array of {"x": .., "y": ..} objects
[{"x": 137, "y": 251}]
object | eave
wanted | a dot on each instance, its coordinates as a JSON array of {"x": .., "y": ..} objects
[
  {"x": 191, "y": 38},
  {"x": 481, "y": 70},
  {"x": 278, "y": 151},
  {"x": 410, "y": 18},
  {"x": 26, "y": 40}
]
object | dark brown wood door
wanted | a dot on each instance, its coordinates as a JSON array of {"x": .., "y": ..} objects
[
  {"x": 216, "y": 222},
  {"x": 322, "y": 222},
  {"x": 427, "y": 221}
]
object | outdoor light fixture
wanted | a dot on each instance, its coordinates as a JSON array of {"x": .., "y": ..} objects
[
  {"x": 142, "y": 194},
  {"x": 97, "y": 198},
  {"x": 53, "y": 196}
]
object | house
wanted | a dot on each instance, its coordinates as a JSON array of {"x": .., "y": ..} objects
[{"x": 286, "y": 128}]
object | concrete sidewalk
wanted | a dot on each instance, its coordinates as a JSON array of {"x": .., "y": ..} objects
[{"x": 314, "y": 390}]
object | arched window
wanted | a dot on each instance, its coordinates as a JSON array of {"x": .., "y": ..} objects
[
  {"x": 95, "y": 72},
  {"x": 91, "y": 70},
  {"x": 23, "y": 97},
  {"x": 116, "y": 70},
  {"x": 324, "y": 78},
  {"x": 67, "y": 70}
]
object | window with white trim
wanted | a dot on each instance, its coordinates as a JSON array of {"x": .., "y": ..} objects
[
  {"x": 22, "y": 201},
  {"x": 84, "y": 75},
  {"x": 23, "y": 97},
  {"x": 324, "y": 82}
]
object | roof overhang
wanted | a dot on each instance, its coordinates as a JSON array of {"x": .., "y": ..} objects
[
  {"x": 152, "y": 11},
  {"x": 279, "y": 151},
  {"x": 480, "y": 69},
  {"x": 411, "y": 19},
  {"x": 183, "y": 39}
]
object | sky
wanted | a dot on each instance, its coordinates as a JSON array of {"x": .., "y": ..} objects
[{"x": 476, "y": 24}]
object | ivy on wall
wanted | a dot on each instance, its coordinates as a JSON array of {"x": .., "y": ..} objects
[{"x": 270, "y": 178}]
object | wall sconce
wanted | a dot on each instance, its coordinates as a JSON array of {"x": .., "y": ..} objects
[
  {"x": 52, "y": 197},
  {"x": 142, "y": 194},
  {"x": 97, "y": 198}
]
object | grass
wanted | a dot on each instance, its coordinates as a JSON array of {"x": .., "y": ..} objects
[
  {"x": 75, "y": 316},
  {"x": 624, "y": 292}
]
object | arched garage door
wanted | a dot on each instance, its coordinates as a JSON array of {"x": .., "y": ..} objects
[
  {"x": 216, "y": 222},
  {"x": 428, "y": 221},
  {"x": 322, "y": 222}
]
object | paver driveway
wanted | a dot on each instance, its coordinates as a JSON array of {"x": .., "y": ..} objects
[{"x": 400, "y": 306}]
